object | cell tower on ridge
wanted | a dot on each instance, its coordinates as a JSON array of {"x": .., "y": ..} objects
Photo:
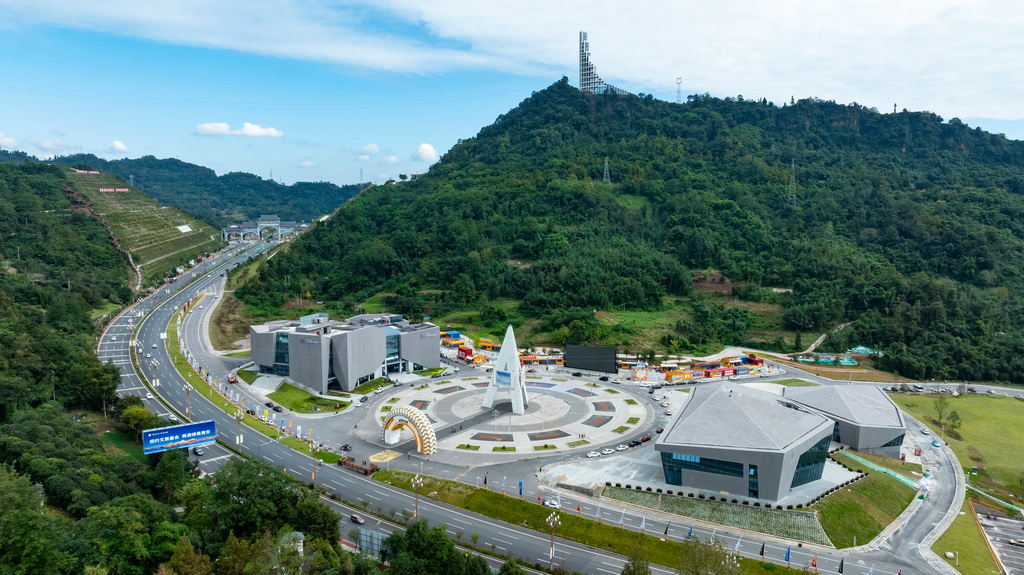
[
  {"x": 679, "y": 90},
  {"x": 607, "y": 174},
  {"x": 589, "y": 80}
]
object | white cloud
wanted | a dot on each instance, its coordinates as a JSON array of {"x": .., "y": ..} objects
[
  {"x": 390, "y": 159},
  {"x": 117, "y": 146},
  {"x": 425, "y": 152},
  {"x": 7, "y": 141},
  {"x": 947, "y": 56},
  {"x": 306, "y": 164},
  {"x": 249, "y": 130},
  {"x": 54, "y": 145},
  {"x": 363, "y": 157},
  {"x": 371, "y": 149}
]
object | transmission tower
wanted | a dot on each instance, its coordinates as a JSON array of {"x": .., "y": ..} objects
[
  {"x": 607, "y": 175},
  {"x": 679, "y": 90},
  {"x": 792, "y": 184}
]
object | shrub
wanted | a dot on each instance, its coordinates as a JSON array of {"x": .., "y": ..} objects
[
  {"x": 659, "y": 489},
  {"x": 648, "y": 489}
]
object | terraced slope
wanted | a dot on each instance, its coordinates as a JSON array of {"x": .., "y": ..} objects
[{"x": 158, "y": 238}]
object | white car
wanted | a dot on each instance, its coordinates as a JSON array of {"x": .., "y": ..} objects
[
  {"x": 668, "y": 412},
  {"x": 925, "y": 431},
  {"x": 149, "y": 395},
  {"x": 666, "y": 403},
  {"x": 622, "y": 447},
  {"x": 593, "y": 454},
  {"x": 552, "y": 503},
  {"x": 607, "y": 451},
  {"x": 113, "y": 338}
]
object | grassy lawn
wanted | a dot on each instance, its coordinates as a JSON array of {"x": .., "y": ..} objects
[
  {"x": 965, "y": 536},
  {"x": 248, "y": 376},
  {"x": 237, "y": 354},
  {"x": 504, "y": 448},
  {"x": 122, "y": 441},
  {"x": 578, "y": 443},
  {"x": 903, "y": 468},
  {"x": 862, "y": 509},
  {"x": 302, "y": 401},
  {"x": 372, "y": 385},
  {"x": 469, "y": 447},
  {"x": 633, "y": 420},
  {"x": 544, "y": 447},
  {"x": 992, "y": 434},
  {"x": 528, "y": 514},
  {"x": 95, "y": 313},
  {"x": 622, "y": 429},
  {"x": 794, "y": 382},
  {"x": 631, "y": 401}
]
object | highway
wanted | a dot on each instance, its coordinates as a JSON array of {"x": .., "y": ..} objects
[{"x": 895, "y": 553}]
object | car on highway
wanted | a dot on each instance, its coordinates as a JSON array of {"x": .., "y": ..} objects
[
  {"x": 149, "y": 395},
  {"x": 925, "y": 431},
  {"x": 668, "y": 412},
  {"x": 593, "y": 454},
  {"x": 607, "y": 451},
  {"x": 935, "y": 443},
  {"x": 531, "y": 370},
  {"x": 154, "y": 346},
  {"x": 364, "y": 399},
  {"x": 991, "y": 391},
  {"x": 357, "y": 519},
  {"x": 198, "y": 450},
  {"x": 149, "y": 355},
  {"x": 1017, "y": 542},
  {"x": 113, "y": 338},
  {"x": 552, "y": 503},
  {"x": 666, "y": 403},
  {"x": 378, "y": 390},
  {"x": 577, "y": 374}
]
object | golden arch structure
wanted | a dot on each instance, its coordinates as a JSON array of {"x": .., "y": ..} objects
[{"x": 407, "y": 416}]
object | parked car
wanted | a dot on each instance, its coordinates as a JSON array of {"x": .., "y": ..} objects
[
  {"x": 622, "y": 447},
  {"x": 577, "y": 374},
  {"x": 659, "y": 430},
  {"x": 268, "y": 404},
  {"x": 634, "y": 443},
  {"x": 198, "y": 450},
  {"x": 593, "y": 454},
  {"x": 278, "y": 408},
  {"x": 607, "y": 451},
  {"x": 604, "y": 378},
  {"x": 645, "y": 438},
  {"x": 935, "y": 443},
  {"x": 346, "y": 447}
]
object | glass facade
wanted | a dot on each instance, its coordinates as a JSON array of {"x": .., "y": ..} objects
[
  {"x": 281, "y": 355},
  {"x": 812, "y": 463},
  {"x": 675, "y": 463},
  {"x": 752, "y": 481},
  {"x": 835, "y": 433},
  {"x": 898, "y": 440}
]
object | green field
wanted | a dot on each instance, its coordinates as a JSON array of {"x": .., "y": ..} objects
[
  {"x": 964, "y": 537},
  {"x": 992, "y": 434},
  {"x": 861, "y": 511},
  {"x": 120, "y": 440},
  {"x": 302, "y": 401},
  {"x": 152, "y": 233},
  {"x": 794, "y": 382}
]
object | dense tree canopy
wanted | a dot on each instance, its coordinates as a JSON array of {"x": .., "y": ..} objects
[{"x": 903, "y": 223}]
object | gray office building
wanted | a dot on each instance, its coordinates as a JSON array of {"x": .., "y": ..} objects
[
  {"x": 745, "y": 442},
  {"x": 320, "y": 354},
  {"x": 866, "y": 419}
]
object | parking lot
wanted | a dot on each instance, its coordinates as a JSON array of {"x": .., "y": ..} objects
[{"x": 1000, "y": 531}]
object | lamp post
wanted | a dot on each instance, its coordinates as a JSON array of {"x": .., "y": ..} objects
[
  {"x": 188, "y": 402},
  {"x": 553, "y": 522},
  {"x": 239, "y": 416},
  {"x": 315, "y": 451},
  {"x": 417, "y": 482}
]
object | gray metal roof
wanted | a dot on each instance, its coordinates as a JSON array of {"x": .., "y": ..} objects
[
  {"x": 865, "y": 405},
  {"x": 732, "y": 416}
]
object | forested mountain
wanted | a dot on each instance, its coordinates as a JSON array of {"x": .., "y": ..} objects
[
  {"x": 232, "y": 198},
  {"x": 907, "y": 225}
]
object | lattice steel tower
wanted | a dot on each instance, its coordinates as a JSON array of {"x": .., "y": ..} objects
[
  {"x": 792, "y": 184},
  {"x": 589, "y": 80},
  {"x": 607, "y": 174}
]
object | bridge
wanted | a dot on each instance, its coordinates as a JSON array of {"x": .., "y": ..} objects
[{"x": 265, "y": 227}]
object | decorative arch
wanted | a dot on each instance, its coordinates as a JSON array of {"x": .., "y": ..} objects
[{"x": 414, "y": 420}]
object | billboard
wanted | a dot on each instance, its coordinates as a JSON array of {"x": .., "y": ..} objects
[
  {"x": 590, "y": 358},
  {"x": 178, "y": 436},
  {"x": 503, "y": 378}
]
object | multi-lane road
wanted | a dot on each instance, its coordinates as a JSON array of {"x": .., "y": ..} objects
[{"x": 142, "y": 330}]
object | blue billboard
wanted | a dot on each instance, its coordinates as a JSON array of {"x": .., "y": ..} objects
[{"x": 178, "y": 436}]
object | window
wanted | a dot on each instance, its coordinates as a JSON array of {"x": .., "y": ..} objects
[
  {"x": 812, "y": 463},
  {"x": 898, "y": 440},
  {"x": 752, "y": 481},
  {"x": 675, "y": 463},
  {"x": 835, "y": 433}
]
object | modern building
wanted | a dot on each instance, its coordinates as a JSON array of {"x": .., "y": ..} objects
[
  {"x": 590, "y": 82},
  {"x": 275, "y": 227},
  {"x": 508, "y": 374},
  {"x": 320, "y": 354},
  {"x": 745, "y": 442},
  {"x": 866, "y": 419}
]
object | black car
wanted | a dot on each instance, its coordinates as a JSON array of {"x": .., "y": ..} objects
[
  {"x": 604, "y": 378},
  {"x": 634, "y": 443},
  {"x": 198, "y": 450},
  {"x": 346, "y": 447},
  {"x": 278, "y": 409},
  {"x": 268, "y": 404},
  {"x": 650, "y": 392},
  {"x": 577, "y": 374}
]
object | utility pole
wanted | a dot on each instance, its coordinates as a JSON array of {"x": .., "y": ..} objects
[
  {"x": 679, "y": 90},
  {"x": 607, "y": 175},
  {"x": 792, "y": 184}
]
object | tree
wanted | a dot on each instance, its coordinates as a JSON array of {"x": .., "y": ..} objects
[
  {"x": 29, "y": 536},
  {"x": 706, "y": 558},
  {"x": 637, "y": 564},
  {"x": 511, "y": 567},
  {"x": 941, "y": 405},
  {"x": 117, "y": 539},
  {"x": 234, "y": 556},
  {"x": 186, "y": 561},
  {"x": 476, "y": 565},
  {"x": 954, "y": 421}
]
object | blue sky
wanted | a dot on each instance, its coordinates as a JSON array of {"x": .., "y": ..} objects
[{"x": 312, "y": 90}]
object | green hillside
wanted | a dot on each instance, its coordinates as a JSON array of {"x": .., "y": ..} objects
[
  {"x": 231, "y": 198},
  {"x": 906, "y": 225},
  {"x": 159, "y": 238}
]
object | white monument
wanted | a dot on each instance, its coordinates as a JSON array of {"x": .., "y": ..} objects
[{"x": 508, "y": 374}]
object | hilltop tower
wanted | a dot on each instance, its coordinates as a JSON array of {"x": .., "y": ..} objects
[
  {"x": 508, "y": 374},
  {"x": 589, "y": 80}
]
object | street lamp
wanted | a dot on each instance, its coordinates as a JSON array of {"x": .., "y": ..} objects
[
  {"x": 417, "y": 482},
  {"x": 239, "y": 416},
  {"x": 315, "y": 451},
  {"x": 188, "y": 400},
  {"x": 554, "y": 523}
]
